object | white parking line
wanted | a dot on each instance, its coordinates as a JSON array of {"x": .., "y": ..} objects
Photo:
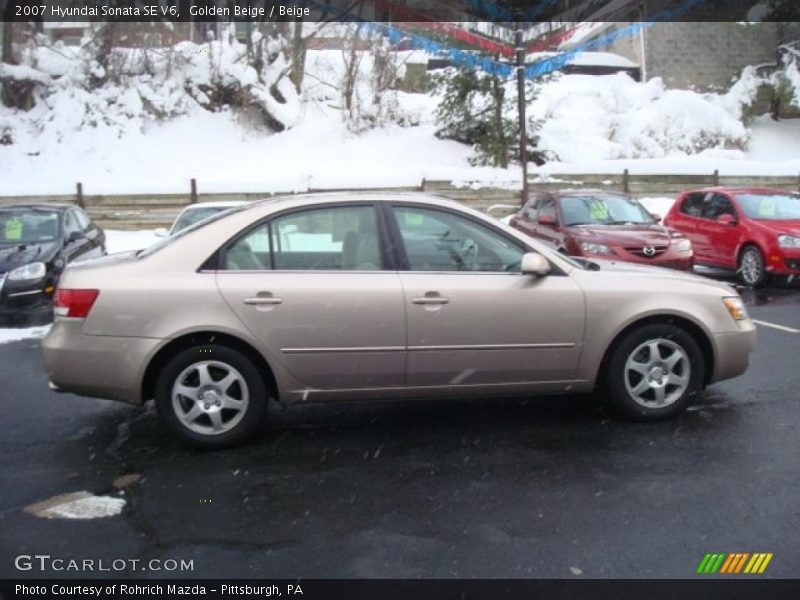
[{"x": 776, "y": 326}]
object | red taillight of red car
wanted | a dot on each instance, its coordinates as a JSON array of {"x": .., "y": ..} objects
[{"x": 74, "y": 303}]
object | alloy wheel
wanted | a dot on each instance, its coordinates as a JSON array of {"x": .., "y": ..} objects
[
  {"x": 210, "y": 397},
  {"x": 657, "y": 373},
  {"x": 751, "y": 266}
]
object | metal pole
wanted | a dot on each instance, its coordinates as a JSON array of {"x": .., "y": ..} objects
[{"x": 523, "y": 128}]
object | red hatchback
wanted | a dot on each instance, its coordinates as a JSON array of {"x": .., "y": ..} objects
[
  {"x": 755, "y": 230},
  {"x": 602, "y": 224}
]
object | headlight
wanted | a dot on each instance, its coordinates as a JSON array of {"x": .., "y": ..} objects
[
  {"x": 29, "y": 272},
  {"x": 589, "y": 248},
  {"x": 683, "y": 245},
  {"x": 736, "y": 307},
  {"x": 788, "y": 241}
]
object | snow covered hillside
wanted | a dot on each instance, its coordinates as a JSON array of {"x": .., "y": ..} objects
[{"x": 111, "y": 141}]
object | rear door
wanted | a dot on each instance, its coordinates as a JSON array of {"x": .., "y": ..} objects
[
  {"x": 686, "y": 219},
  {"x": 473, "y": 318},
  {"x": 720, "y": 239},
  {"x": 313, "y": 285}
]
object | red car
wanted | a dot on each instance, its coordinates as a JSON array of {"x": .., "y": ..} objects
[
  {"x": 600, "y": 224},
  {"x": 754, "y": 230}
]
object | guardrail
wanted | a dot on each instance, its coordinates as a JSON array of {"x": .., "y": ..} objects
[
  {"x": 639, "y": 185},
  {"x": 148, "y": 211}
]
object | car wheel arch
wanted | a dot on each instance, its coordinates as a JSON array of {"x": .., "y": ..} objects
[
  {"x": 178, "y": 344},
  {"x": 695, "y": 330}
]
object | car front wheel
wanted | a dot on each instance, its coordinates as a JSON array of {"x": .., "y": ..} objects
[
  {"x": 752, "y": 269},
  {"x": 211, "y": 396},
  {"x": 654, "y": 371}
]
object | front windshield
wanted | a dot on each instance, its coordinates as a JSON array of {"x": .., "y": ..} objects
[
  {"x": 770, "y": 207},
  {"x": 198, "y": 225},
  {"x": 603, "y": 209},
  {"x": 25, "y": 226},
  {"x": 195, "y": 215}
]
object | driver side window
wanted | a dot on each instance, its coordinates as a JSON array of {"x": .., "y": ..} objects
[{"x": 440, "y": 241}]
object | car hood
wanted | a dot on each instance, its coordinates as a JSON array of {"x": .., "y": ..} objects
[
  {"x": 625, "y": 235},
  {"x": 629, "y": 269},
  {"x": 789, "y": 227},
  {"x": 17, "y": 255}
]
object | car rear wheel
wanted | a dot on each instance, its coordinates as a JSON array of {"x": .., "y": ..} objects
[
  {"x": 654, "y": 371},
  {"x": 752, "y": 269},
  {"x": 211, "y": 396}
]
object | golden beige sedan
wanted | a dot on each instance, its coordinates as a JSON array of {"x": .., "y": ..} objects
[{"x": 368, "y": 296}]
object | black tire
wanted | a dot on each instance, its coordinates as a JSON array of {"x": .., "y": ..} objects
[
  {"x": 631, "y": 346},
  {"x": 248, "y": 381},
  {"x": 751, "y": 267}
]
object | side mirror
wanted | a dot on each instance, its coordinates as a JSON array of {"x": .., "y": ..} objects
[
  {"x": 535, "y": 264},
  {"x": 548, "y": 220},
  {"x": 727, "y": 219},
  {"x": 76, "y": 236},
  {"x": 161, "y": 232}
]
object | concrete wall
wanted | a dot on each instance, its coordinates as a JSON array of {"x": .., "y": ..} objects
[{"x": 705, "y": 56}]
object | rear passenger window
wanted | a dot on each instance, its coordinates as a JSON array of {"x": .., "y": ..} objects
[
  {"x": 693, "y": 205},
  {"x": 717, "y": 205},
  {"x": 329, "y": 239}
]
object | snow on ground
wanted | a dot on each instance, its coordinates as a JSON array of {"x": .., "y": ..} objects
[
  {"x": 77, "y": 505},
  {"x": 15, "y": 335},
  {"x": 658, "y": 206},
  {"x": 123, "y": 241}
]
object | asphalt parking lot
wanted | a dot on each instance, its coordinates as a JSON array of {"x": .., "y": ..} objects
[{"x": 545, "y": 488}]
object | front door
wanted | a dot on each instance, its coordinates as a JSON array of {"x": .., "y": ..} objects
[
  {"x": 473, "y": 318},
  {"x": 311, "y": 286},
  {"x": 721, "y": 239}
]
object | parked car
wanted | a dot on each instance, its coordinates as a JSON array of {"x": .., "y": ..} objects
[
  {"x": 363, "y": 296},
  {"x": 753, "y": 230},
  {"x": 36, "y": 242},
  {"x": 194, "y": 213},
  {"x": 600, "y": 224}
]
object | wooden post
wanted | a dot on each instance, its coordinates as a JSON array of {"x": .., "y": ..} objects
[
  {"x": 422, "y": 185},
  {"x": 79, "y": 189},
  {"x": 716, "y": 177},
  {"x": 626, "y": 181},
  {"x": 193, "y": 197}
]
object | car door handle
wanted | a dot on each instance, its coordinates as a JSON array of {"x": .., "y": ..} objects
[
  {"x": 430, "y": 298},
  {"x": 261, "y": 300}
]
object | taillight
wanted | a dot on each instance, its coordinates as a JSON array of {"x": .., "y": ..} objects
[{"x": 74, "y": 303}]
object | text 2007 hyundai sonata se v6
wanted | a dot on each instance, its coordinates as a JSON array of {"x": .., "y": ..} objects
[{"x": 346, "y": 297}]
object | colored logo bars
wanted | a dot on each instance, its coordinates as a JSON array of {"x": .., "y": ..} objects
[{"x": 737, "y": 562}]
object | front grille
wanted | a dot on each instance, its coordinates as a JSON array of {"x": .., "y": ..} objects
[{"x": 647, "y": 251}]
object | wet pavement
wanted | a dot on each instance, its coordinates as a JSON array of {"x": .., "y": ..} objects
[{"x": 551, "y": 487}]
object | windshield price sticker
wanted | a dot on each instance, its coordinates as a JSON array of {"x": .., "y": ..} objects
[
  {"x": 13, "y": 232},
  {"x": 767, "y": 207},
  {"x": 598, "y": 210}
]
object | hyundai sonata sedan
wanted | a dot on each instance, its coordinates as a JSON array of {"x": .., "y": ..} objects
[{"x": 367, "y": 296}]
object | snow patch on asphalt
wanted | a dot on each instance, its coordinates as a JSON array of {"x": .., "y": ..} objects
[
  {"x": 15, "y": 335},
  {"x": 77, "y": 505}
]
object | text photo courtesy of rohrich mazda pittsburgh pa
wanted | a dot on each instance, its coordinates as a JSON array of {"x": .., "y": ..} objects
[{"x": 376, "y": 298}]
